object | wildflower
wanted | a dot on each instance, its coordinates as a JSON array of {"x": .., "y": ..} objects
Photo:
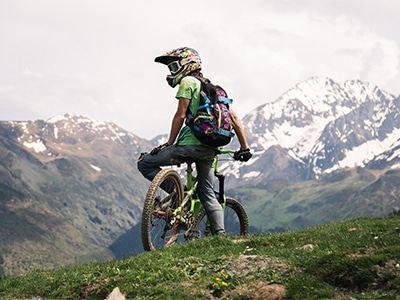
[{"x": 223, "y": 283}]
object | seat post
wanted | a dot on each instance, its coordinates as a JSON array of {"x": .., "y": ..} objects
[{"x": 190, "y": 179}]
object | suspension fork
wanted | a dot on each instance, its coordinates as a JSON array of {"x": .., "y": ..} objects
[
  {"x": 221, "y": 181},
  {"x": 221, "y": 187}
]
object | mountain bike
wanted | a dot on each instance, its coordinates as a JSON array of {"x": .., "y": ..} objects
[{"x": 172, "y": 212}]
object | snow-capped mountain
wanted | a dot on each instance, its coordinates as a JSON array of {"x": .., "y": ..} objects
[
  {"x": 42, "y": 136},
  {"x": 319, "y": 126},
  {"x": 86, "y": 153}
]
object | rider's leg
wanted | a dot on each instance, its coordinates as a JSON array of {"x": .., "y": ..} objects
[
  {"x": 149, "y": 165},
  {"x": 205, "y": 176}
]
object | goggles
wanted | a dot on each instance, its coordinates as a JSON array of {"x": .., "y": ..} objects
[{"x": 174, "y": 67}]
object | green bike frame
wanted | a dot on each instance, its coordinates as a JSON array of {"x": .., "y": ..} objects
[{"x": 191, "y": 196}]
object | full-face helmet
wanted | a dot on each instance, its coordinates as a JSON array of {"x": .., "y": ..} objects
[{"x": 181, "y": 62}]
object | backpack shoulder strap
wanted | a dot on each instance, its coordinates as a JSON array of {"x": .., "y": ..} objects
[
  {"x": 208, "y": 89},
  {"x": 202, "y": 79},
  {"x": 204, "y": 101}
]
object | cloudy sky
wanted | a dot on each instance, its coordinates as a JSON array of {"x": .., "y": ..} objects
[{"x": 96, "y": 57}]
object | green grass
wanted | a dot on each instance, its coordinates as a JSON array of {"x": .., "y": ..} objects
[{"x": 354, "y": 259}]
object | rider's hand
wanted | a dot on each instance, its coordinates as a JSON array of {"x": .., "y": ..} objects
[
  {"x": 158, "y": 148},
  {"x": 242, "y": 155}
]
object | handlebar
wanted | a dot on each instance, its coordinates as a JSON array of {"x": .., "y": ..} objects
[
  {"x": 224, "y": 151},
  {"x": 219, "y": 151}
]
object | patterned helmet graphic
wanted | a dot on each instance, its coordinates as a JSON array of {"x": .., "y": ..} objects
[{"x": 181, "y": 62}]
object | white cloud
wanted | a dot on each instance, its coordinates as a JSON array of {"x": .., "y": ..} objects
[
  {"x": 29, "y": 72},
  {"x": 96, "y": 58}
]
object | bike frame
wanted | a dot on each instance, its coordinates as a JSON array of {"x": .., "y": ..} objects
[{"x": 191, "y": 187}]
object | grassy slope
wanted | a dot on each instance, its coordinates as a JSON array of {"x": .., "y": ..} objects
[
  {"x": 353, "y": 259},
  {"x": 33, "y": 236}
]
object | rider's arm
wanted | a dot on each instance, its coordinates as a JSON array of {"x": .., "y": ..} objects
[
  {"x": 178, "y": 119},
  {"x": 238, "y": 128}
]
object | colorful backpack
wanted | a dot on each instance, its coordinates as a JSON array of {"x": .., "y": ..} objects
[{"x": 212, "y": 123}]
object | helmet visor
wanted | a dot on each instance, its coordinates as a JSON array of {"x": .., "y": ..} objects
[{"x": 174, "y": 67}]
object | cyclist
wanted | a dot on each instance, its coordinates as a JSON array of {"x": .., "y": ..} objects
[{"x": 182, "y": 63}]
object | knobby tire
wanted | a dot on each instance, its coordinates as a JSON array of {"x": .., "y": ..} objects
[{"x": 159, "y": 228}]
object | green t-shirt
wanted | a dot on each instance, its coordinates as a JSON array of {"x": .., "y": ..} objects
[{"x": 189, "y": 88}]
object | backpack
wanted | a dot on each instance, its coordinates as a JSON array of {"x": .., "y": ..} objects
[{"x": 212, "y": 123}]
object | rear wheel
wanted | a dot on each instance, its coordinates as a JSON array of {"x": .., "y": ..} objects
[
  {"x": 159, "y": 226},
  {"x": 236, "y": 220}
]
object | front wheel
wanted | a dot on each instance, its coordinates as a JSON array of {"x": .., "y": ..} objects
[
  {"x": 236, "y": 220},
  {"x": 159, "y": 226}
]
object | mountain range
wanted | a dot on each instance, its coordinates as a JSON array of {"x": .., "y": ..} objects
[
  {"x": 317, "y": 127},
  {"x": 70, "y": 191},
  {"x": 69, "y": 182}
]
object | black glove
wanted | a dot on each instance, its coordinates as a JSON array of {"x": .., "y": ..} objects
[
  {"x": 158, "y": 148},
  {"x": 242, "y": 155}
]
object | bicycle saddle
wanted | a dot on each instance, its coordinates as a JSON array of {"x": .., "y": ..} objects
[{"x": 182, "y": 160}]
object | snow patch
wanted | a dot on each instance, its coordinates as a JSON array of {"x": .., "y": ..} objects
[
  {"x": 395, "y": 154},
  {"x": 396, "y": 166},
  {"x": 37, "y": 146},
  {"x": 55, "y": 132},
  {"x": 251, "y": 174},
  {"x": 57, "y": 119},
  {"x": 95, "y": 168}
]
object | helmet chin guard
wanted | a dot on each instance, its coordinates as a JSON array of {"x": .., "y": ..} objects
[{"x": 173, "y": 81}]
